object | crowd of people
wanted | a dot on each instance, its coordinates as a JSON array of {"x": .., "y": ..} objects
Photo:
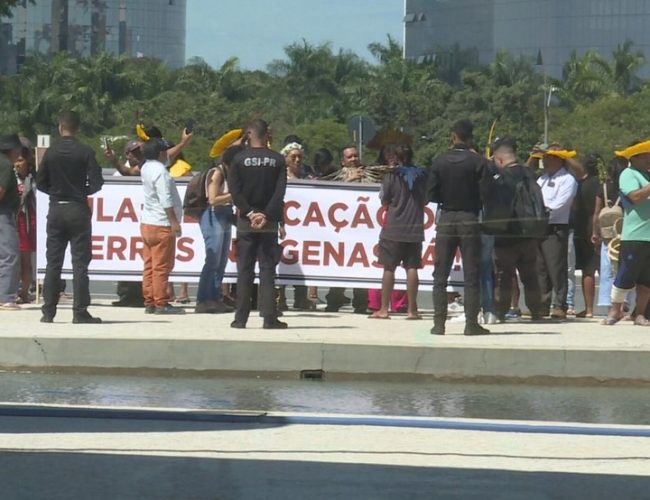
[{"x": 531, "y": 223}]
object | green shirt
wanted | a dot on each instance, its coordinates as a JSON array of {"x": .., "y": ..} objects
[
  {"x": 8, "y": 182},
  {"x": 636, "y": 225}
]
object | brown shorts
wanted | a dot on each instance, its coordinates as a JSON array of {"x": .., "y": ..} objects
[{"x": 394, "y": 253}]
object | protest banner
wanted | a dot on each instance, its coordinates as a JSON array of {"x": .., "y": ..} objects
[{"x": 332, "y": 235}]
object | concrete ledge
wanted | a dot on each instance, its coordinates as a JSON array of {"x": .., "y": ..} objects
[{"x": 343, "y": 345}]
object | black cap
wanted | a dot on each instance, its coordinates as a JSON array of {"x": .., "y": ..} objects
[{"x": 11, "y": 141}]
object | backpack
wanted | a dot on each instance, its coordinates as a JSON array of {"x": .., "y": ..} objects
[
  {"x": 528, "y": 210},
  {"x": 609, "y": 216},
  {"x": 195, "y": 200}
]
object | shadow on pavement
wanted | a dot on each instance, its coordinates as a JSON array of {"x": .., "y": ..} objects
[{"x": 61, "y": 475}]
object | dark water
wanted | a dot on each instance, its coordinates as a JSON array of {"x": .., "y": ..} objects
[{"x": 514, "y": 402}]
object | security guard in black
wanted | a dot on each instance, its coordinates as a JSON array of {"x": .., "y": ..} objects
[{"x": 257, "y": 180}]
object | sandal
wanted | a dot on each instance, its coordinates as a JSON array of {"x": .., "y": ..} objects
[
  {"x": 610, "y": 321},
  {"x": 641, "y": 320},
  {"x": 375, "y": 316},
  {"x": 583, "y": 314},
  {"x": 9, "y": 306},
  {"x": 183, "y": 300}
]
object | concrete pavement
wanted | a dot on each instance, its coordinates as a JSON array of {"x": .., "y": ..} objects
[
  {"x": 340, "y": 344},
  {"x": 108, "y": 458}
]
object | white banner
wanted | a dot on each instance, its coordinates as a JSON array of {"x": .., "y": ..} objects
[{"x": 332, "y": 235}]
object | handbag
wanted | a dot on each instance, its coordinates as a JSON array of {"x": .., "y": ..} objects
[{"x": 609, "y": 216}]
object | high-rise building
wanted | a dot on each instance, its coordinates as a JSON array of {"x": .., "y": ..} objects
[
  {"x": 554, "y": 28},
  {"x": 138, "y": 28}
]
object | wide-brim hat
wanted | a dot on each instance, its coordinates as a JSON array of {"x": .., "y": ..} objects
[
  {"x": 10, "y": 141},
  {"x": 635, "y": 149},
  {"x": 564, "y": 154},
  {"x": 225, "y": 141}
]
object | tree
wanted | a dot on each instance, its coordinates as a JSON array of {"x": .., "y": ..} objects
[
  {"x": 587, "y": 77},
  {"x": 625, "y": 64},
  {"x": 7, "y": 5}
]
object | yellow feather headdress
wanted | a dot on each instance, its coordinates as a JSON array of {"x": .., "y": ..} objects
[
  {"x": 139, "y": 130},
  {"x": 561, "y": 153},
  {"x": 225, "y": 141},
  {"x": 636, "y": 149}
]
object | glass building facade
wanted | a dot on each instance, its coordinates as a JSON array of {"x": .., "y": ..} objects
[
  {"x": 554, "y": 27},
  {"x": 138, "y": 28}
]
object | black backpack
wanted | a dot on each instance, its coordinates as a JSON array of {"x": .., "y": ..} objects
[
  {"x": 520, "y": 215},
  {"x": 528, "y": 210},
  {"x": 195, "y": 200}
]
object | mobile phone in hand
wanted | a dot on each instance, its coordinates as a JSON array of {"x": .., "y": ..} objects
[{"x": 189, "y": 126}]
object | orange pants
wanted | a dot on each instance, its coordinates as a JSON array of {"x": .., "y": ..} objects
[{"x": 158, "y": 254}]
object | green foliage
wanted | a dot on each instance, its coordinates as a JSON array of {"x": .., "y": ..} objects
[
  {"x": 313, "y": 91},
  {"x": 6, "y": 6}
]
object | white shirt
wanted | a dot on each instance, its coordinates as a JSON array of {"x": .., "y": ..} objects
[
  {"x": 159, "y": 193},
  {"x": 558, "y": 191}
]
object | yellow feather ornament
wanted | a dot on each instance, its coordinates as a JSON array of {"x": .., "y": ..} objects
[
  {"x": 139, "y": 130},
  {"x": 225, "y": 141}
]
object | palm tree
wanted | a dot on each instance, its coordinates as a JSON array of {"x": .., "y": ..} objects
[
  {"x": 587, "y": 77},
  {"x": 625, "y": 64}
]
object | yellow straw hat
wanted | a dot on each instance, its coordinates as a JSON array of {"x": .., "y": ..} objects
[
  {"x": 225, "y": 141},
  {"x": 635, "y": 149}
]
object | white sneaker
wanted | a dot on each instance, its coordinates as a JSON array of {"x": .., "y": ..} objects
[
  {"x": 490, "y": 319},
  {"x": 482, "y": 318},
  {"x": 458, "y": 319},
  {"x": 455, "y": 307}
]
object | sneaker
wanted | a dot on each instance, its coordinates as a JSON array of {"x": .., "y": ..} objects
[
  {"x": 456, "y": 307},
  {"x": 513, "y": 313},
  {"x": 490, "y": 319},
  {"x": 86, "y": 319},
  {"x": 46, "y": 319},
  {"x": 9, "y": 306},
  {"x": 169, "y": 309},
  {"x": 476, "y": 329},
  {"x": 237, "y": 324},
  {"x": 275, "y": 325},
  {"x": 458, "y": 319},
  {"x": 149, "y": 309},
  {"x": 332, "y": 309}
]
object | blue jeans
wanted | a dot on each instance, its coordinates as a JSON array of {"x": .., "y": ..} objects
[
  {"x": 571, "y": 271},
  {"x": 9, "y": 256},
  {"x": 215, "y": 226},
  {"x": 487, "y": 274}
]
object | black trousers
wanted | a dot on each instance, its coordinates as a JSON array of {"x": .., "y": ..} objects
[
  {"x": 552, "y": 266},
  {"x": 457, "y": 230},
  {"x": 511, "y": 255},
  {"x": 67, "y": 223},
  {"x": 262, "y": 247}
]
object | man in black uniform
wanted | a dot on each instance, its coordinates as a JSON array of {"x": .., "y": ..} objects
[
  {"x": 514, "y": 249},
  {"x": 69, "y": 173},
  {"x": 257, "y": 180},
  {"x": 454, "y": 183}
]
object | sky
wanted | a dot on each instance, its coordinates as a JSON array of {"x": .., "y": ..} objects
[{"x": 256, "y": 31}]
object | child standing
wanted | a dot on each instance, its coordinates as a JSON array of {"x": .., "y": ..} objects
[{"x": 403, "y": 192}]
